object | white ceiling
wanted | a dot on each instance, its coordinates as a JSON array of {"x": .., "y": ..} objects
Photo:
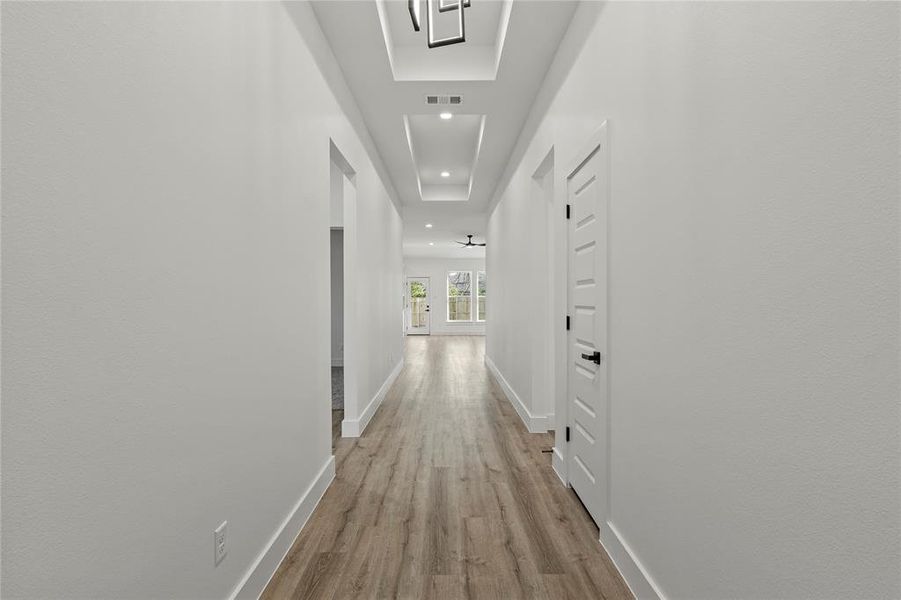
[
  {"x": 498, "y": 70},
  {"x": 444, "y": 146},
  {"x": 476, "y": 60},
  {"x": 482, "y": 20}
]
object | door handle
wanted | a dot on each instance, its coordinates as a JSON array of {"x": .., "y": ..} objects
[{"x": 595, "y": 357}]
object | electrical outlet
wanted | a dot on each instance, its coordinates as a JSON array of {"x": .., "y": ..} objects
[{"x": 220, "y": 542}]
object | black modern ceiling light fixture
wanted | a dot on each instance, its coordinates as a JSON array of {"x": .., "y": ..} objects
[
  {"x": 431, "y": 15},
  {"x": 469, "y": 243}
]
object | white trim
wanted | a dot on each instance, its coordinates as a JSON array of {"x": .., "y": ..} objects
[
  {"x": 451, "y": 333},
  {"x": 475, "y": 314},
  {"x": 546, "y": 324},
  {"x": 534, "y": 423},
  {"x": 640, "y": 582},
  {"x": 542, "y": 424},
  {"x": 558, "y": 463},
  {"x": 267, "y": 562},
  {"x": 462, "y": 323},
  {"x": 407, "y": 128},
  {"x": 355, "y": 427},
  {"x": 475, "y": 159},
  {"x": 502, "y": 33},
  {"x": 350, "y": 353}
]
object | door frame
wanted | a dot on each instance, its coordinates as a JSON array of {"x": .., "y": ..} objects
[
  {"x": 408, "y": 317},
  {"x": 343, "y": 196},
  {"x": 546, "y": 261},
  {"x": 598, "y": 141}
]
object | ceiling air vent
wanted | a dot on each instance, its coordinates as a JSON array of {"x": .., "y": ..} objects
[{"x": 452, "y": 99}]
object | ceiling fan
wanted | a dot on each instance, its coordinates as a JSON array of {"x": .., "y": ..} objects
[{"x": 469, "y": 243}]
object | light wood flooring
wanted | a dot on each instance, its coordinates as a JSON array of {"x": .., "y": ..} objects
[{"x": 445, "y": 496}]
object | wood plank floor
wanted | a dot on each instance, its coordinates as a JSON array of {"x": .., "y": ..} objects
[{"x": 446, "y": 495}]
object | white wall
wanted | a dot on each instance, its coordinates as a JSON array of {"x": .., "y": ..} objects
[
  {"x": 436, "y": 270},
  {"x": 519, "y": 342},
  {"x": 754, "y": 324},
  {"x": 165, "y": 218},
  {"x": 373, "y": 333}
]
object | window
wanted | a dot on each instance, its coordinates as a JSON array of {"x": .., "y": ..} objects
[
  {"x": 459, "y": 296},
  {"x": 481, "y": 281},
  {"x": 465, "y": 302}
]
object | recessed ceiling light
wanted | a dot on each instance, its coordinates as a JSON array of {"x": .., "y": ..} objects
[
  {"x": 431, "y": 243},
  {"x": 445, "y": 173},
  {"x": 428, "y": 225},
  {"x": 446, "y": 115}
]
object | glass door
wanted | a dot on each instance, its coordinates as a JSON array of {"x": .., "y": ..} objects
[{"x": 418, "y": 309}]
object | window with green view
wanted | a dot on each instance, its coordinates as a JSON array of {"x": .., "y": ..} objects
[{"x": 459, "y": 296}]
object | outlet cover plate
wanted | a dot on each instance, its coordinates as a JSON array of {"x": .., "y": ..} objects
[{"x": 220, "y": 542}]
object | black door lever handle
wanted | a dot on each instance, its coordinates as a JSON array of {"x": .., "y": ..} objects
[{"x": 595, "y": 357}]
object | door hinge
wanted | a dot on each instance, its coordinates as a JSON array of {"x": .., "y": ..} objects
[
  {"x": 567, "y": 433},
  {"x": 567, "y": 211},
  {"x": 567, "y": 322}
]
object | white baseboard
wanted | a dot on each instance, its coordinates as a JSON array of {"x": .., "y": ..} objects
[
  {"x": 337, "y": 362},
  {"x": 540, "y": 423},
  {"x": 633, "y": 572},
  {"x": 547, "y": 422},
  {"x": 263, "y": 568},
  {"x": 355, "y": 427},
  {"x": 558, "y": 463},
  {"x": 477, "y": 333},
  {"x": 534, "y": 423}
]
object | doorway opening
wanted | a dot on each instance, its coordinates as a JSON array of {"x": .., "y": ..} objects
[
  {"x": 419, "y": 306},
  {"x": 342, "y": 229},
  {"x": 336, "y": 246}
]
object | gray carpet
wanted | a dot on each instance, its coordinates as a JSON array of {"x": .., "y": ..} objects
[{"x": 337, "y": 388}]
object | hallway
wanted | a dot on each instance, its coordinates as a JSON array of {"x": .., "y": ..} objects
[
  {"x": 450, "y": 299},
  {"x": 446, "y": 496}
]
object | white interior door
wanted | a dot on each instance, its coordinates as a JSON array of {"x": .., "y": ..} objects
[
  {"x": 587, "y": 338},
  {"x": 418, "y": 306}
]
